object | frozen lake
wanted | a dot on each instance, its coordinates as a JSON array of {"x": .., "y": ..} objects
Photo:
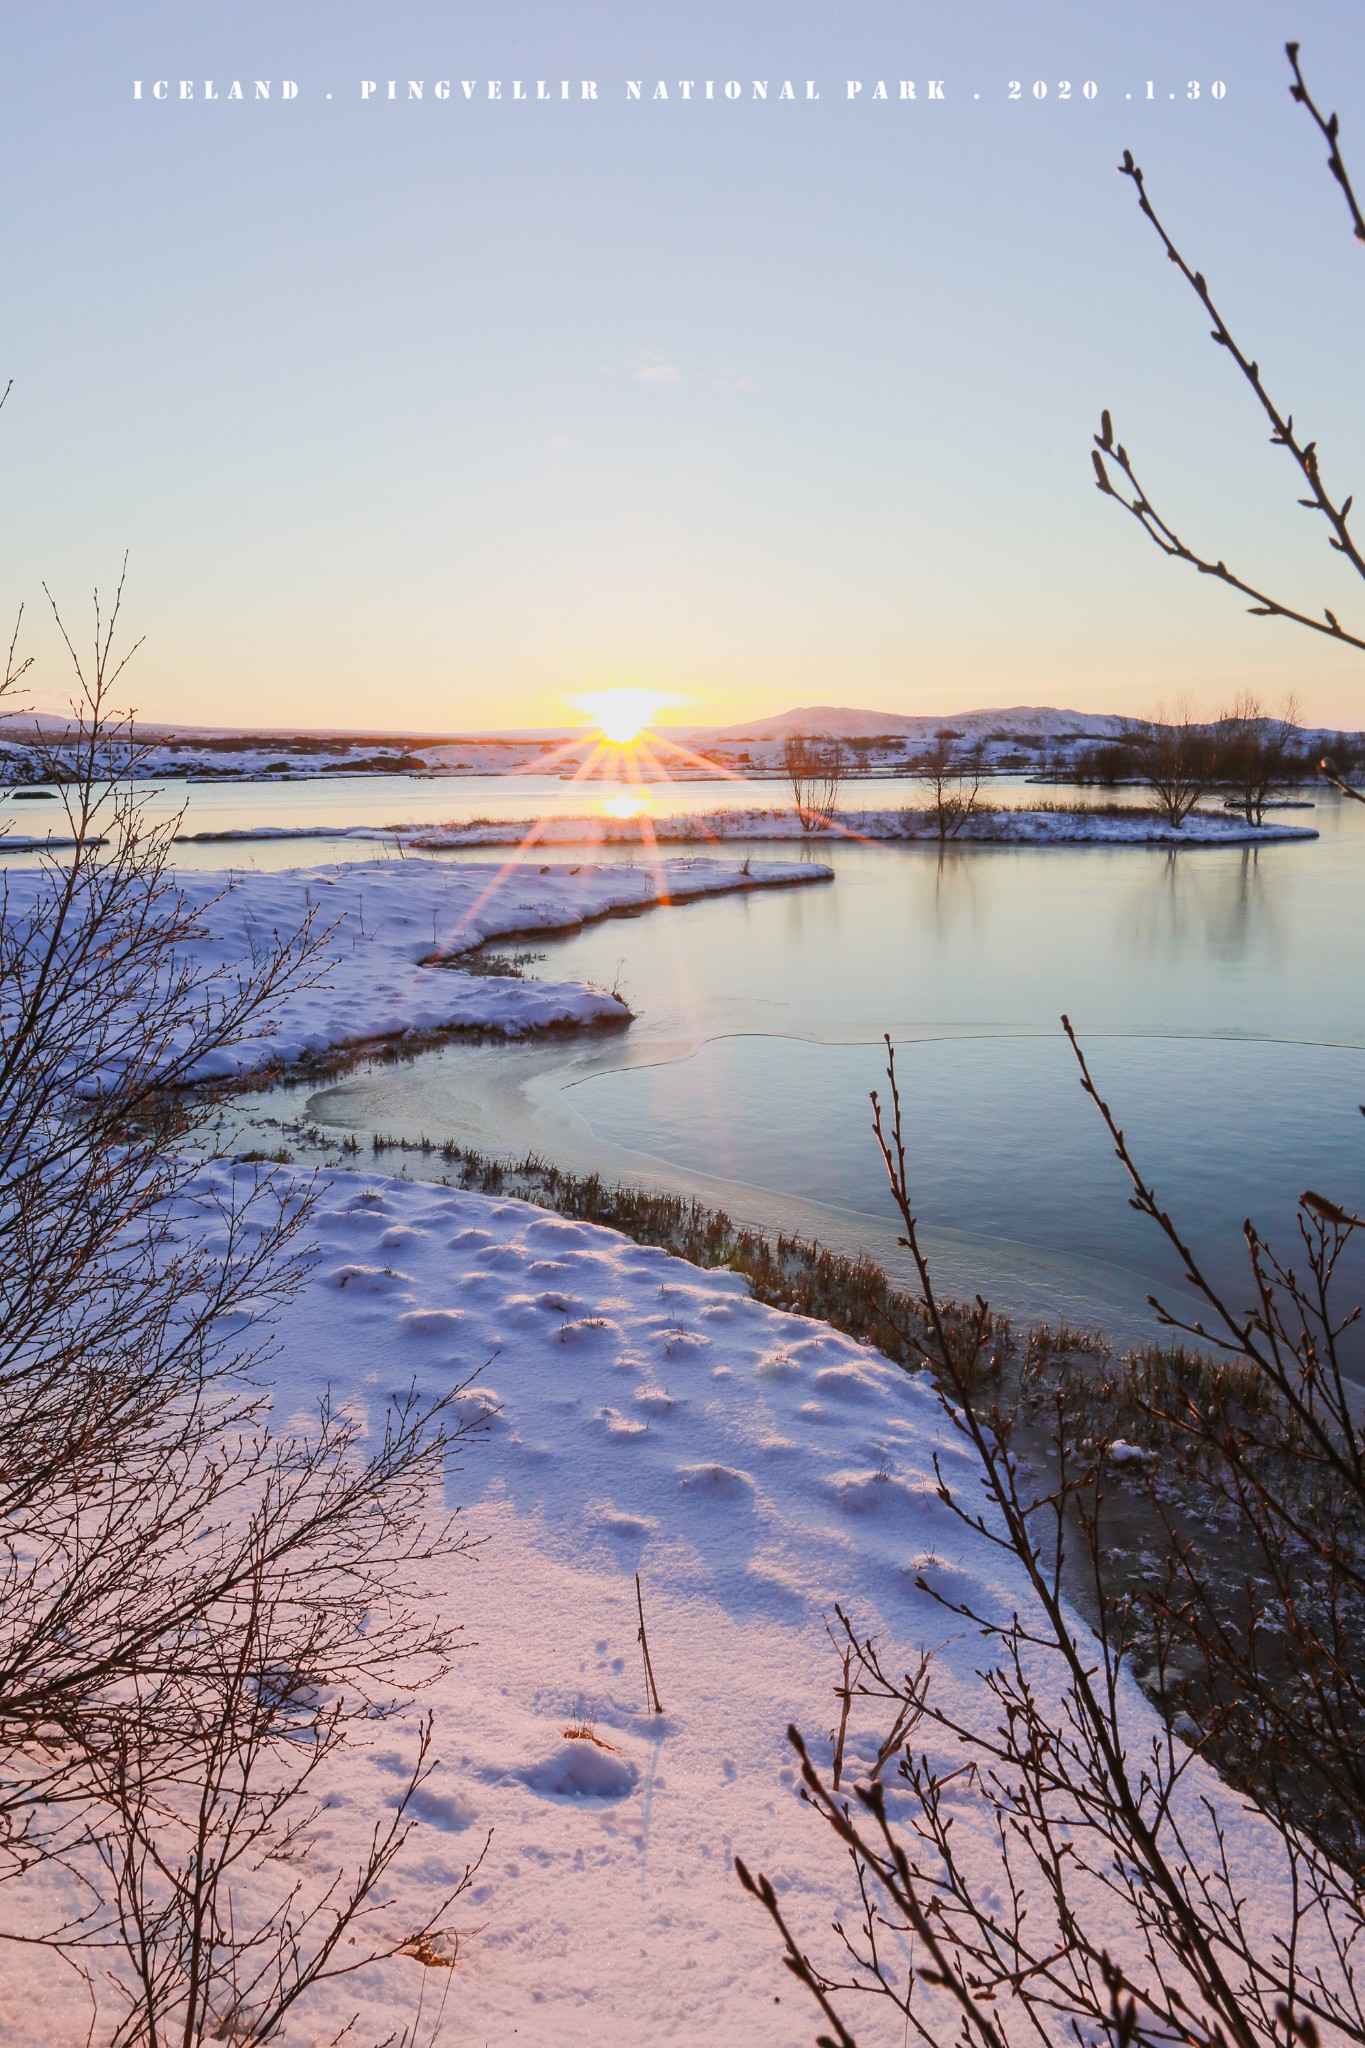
[
  {"x": 1218, "y": 991},
  {"x": 309, "y": 807}
]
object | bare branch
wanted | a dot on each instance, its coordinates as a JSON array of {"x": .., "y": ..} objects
[
  {"x": 1159, "y": 530},
  {"x": 1330, "y": 130}
]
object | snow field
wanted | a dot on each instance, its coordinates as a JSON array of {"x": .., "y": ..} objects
[
  {"x": 638, "y": 1415},
  {"x": 635, "y": 1414}
]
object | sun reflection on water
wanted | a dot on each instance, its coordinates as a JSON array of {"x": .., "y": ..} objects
[{"x": 626, "y": 803}]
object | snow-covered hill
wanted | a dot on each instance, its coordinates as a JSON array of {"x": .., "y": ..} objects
[{"x": 835, "y": 721}]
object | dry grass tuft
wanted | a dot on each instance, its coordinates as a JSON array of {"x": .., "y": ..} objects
[
  {"x": 438, "y": 1949},
  {"x": 584, "y": 1731}
]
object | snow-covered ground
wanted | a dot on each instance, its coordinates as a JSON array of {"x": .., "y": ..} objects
[
  {"x": 387, "y": 927},
  {"x": 1004, "y": 827},
  {"x": 753, "y": 1467}
]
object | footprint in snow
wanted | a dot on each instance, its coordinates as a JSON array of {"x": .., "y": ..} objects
[
  {"x": 616, "y": 1522},
  {"x": 444, "y": 1810}
]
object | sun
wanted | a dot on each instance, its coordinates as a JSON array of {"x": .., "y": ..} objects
[{"x": 622, "y": 715}]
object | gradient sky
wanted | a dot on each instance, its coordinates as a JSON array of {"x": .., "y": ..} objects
[{"x": 433, "y": 415}]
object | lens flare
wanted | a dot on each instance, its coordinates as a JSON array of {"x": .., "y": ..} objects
[{"x": 621, "y": 715}]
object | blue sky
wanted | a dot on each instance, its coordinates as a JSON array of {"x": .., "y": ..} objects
[{"x": 433, "y": 415}]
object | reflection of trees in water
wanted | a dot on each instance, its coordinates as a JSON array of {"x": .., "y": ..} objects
[
  {"x": 806, "y": 913},
  {"x": 1218, "y": 904},
  {"x": 955, "y": 892}
]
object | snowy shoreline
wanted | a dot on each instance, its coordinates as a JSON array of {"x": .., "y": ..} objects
[
  {"x": 392, "y": 935},
  {"x": 989, "y": 827}
]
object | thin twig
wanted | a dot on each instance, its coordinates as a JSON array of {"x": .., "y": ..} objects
[{"x": 652, "y": 1690}]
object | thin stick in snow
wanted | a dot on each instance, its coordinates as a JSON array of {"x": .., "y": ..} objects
[
  {"x": 643, "y": 1640},
  {"x": 844, "y": 1693}
]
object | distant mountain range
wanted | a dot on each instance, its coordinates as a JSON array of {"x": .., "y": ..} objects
[
  {"x": 1018, "y": 737},
  {"x": 836, "y": 721}
]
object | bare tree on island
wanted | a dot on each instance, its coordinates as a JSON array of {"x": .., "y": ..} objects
[
  {"x": 954, "y": 779},
  {"x": 815, "y": 770},
  {"x": 1055, "y": 1864},
  {"x": 1258, "y": 757},
  {"x": 1176, "y": 756},
  {"x": 197, "y": 1611}
]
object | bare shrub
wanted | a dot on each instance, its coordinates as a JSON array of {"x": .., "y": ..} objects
[
  {"x": 1176, "y": 757},
  {"x": 815, "y": 770},
  {"x": 1257, "y": 752},
  {"x": 196, "y": 1610},
  {"x": 1109, "y": 764},
  {"x": 954, "y": 778},
  {"x": 1109, "y": 1892}
]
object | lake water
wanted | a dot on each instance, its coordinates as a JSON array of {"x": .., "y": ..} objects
[
  {"x": 375, "y": 801},
  {"x": 1218, "y": 991}
]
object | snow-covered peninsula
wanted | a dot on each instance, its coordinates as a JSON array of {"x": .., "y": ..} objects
[{"x": 391, "y": 935}]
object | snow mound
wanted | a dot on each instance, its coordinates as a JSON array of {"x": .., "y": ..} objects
[
  {"x": 720, "y": 1482},
  {"x": 430, "y": 1322},
  {"x": 581, "y": 1770},
  {"x": 368, "y": 1279}
]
